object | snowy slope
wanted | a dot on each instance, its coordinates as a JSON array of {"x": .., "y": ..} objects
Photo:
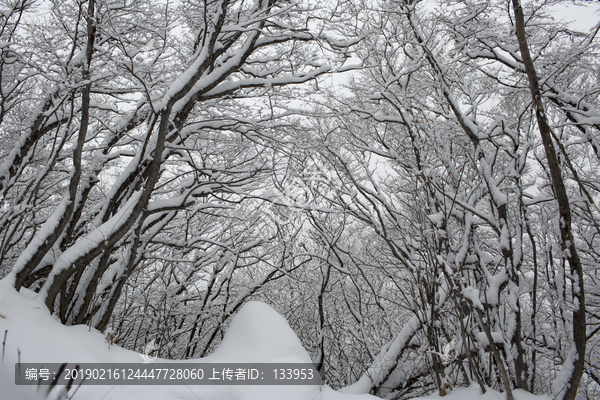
[{"x": 256, "y": 334}]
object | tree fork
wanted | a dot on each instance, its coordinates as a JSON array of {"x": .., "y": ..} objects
[{"x": 488, "y": 334}]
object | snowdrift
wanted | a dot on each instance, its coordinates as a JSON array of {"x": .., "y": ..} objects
[{"x": 257, "y": 334}]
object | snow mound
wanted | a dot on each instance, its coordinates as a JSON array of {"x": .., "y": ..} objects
[
  {"x": 259, "y": 334},
  {"x": 256, "y": 334}
]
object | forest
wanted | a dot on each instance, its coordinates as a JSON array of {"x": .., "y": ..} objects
[{"x": 413, "y": 184}]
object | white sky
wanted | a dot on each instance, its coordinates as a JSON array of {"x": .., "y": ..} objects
[{"x": 581, "y": 17}]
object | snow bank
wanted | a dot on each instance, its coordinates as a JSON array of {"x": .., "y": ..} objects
[
  {"x": 256, "y": 334},
  {"x": 259, "y": 334}
]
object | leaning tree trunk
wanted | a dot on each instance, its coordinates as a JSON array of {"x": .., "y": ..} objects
[{"x": 567, "y": 243}]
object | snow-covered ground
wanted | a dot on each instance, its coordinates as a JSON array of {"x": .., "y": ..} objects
[{"x": 256, "y": 334}]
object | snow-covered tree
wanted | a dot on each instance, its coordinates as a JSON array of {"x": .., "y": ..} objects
[
  {"x": 128, "y": 126},
  {"x": 440, "y": 153}
]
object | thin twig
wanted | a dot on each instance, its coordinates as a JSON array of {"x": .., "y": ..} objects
[{"x": 4, "y": 344}]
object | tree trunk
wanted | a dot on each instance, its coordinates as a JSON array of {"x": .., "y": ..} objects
[
  {"x": 486, "y": 329},
  {"x": 567, "y": 243}
]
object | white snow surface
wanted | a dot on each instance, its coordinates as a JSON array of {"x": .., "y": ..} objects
[
  {"x": 256, "y": 334},
  {"x": 259, "y": 334}
]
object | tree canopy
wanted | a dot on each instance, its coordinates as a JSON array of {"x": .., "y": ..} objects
[{"x": 428, "y": 220}]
